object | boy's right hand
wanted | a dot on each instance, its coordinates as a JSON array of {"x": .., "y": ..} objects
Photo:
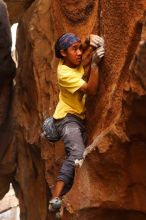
[{"x": 96, "y": 40}]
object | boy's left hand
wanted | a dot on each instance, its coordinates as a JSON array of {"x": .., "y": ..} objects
[
  {"x": 98, "y": 54},
  {"x": 96, "y": 41}
]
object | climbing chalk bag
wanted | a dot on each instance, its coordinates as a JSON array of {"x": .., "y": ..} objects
[{"x": 49, "y": 130}]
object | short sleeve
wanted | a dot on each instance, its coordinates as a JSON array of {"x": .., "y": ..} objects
[{"x": 71, "y": 82}]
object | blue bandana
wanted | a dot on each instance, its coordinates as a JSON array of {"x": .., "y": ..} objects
[{"x": 67, "y": 40}]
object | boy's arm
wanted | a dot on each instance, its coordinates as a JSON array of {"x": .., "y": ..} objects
[
  {"x": 94, "y": 42},
  {"x": 90, "y": 87}
]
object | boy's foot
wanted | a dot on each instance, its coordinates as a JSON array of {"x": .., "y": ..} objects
[{"x": 55, "y": 204}]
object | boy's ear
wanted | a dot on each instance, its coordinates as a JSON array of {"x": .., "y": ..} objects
[{"x": 63, "y": 53}]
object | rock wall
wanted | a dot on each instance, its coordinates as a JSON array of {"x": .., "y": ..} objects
[
  {"x": 111, "y": 183},
  {"x": 17, "y": 9}
]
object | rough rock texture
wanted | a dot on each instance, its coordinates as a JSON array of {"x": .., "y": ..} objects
[
  {"x": 17, "y": 8},
  {"x": 111, "y": 184}
]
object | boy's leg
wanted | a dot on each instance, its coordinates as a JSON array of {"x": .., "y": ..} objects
[
  {"x": 58, "y": 189},
  {"x": 74, "y": 147},
  {"x": 72, "y": 133}
]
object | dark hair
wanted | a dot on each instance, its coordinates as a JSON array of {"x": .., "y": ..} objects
[{"x": 57, "y": 48}]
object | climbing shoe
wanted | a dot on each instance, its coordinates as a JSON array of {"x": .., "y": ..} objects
[{"x": 55, "y": 204}]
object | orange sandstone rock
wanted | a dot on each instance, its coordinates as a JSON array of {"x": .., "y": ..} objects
[{"x": 111, "y": 184}]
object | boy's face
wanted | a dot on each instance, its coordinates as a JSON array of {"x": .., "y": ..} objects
[{"x": 73, "y": 55}]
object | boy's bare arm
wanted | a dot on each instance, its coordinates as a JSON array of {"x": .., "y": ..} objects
[
  {"x": 91, "y": 86},
  {"x": 92, "y": 78}
]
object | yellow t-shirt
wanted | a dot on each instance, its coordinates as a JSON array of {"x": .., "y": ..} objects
[{"x": 71, "y": 100}]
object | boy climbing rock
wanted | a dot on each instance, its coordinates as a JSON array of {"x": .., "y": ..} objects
[{"x": 69, "y": 115}]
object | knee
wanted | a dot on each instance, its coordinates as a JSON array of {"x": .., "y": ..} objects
[{"x": 77, "y": 151}]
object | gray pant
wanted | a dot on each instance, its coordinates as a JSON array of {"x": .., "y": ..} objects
[{"x": 72, "y": 131}]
